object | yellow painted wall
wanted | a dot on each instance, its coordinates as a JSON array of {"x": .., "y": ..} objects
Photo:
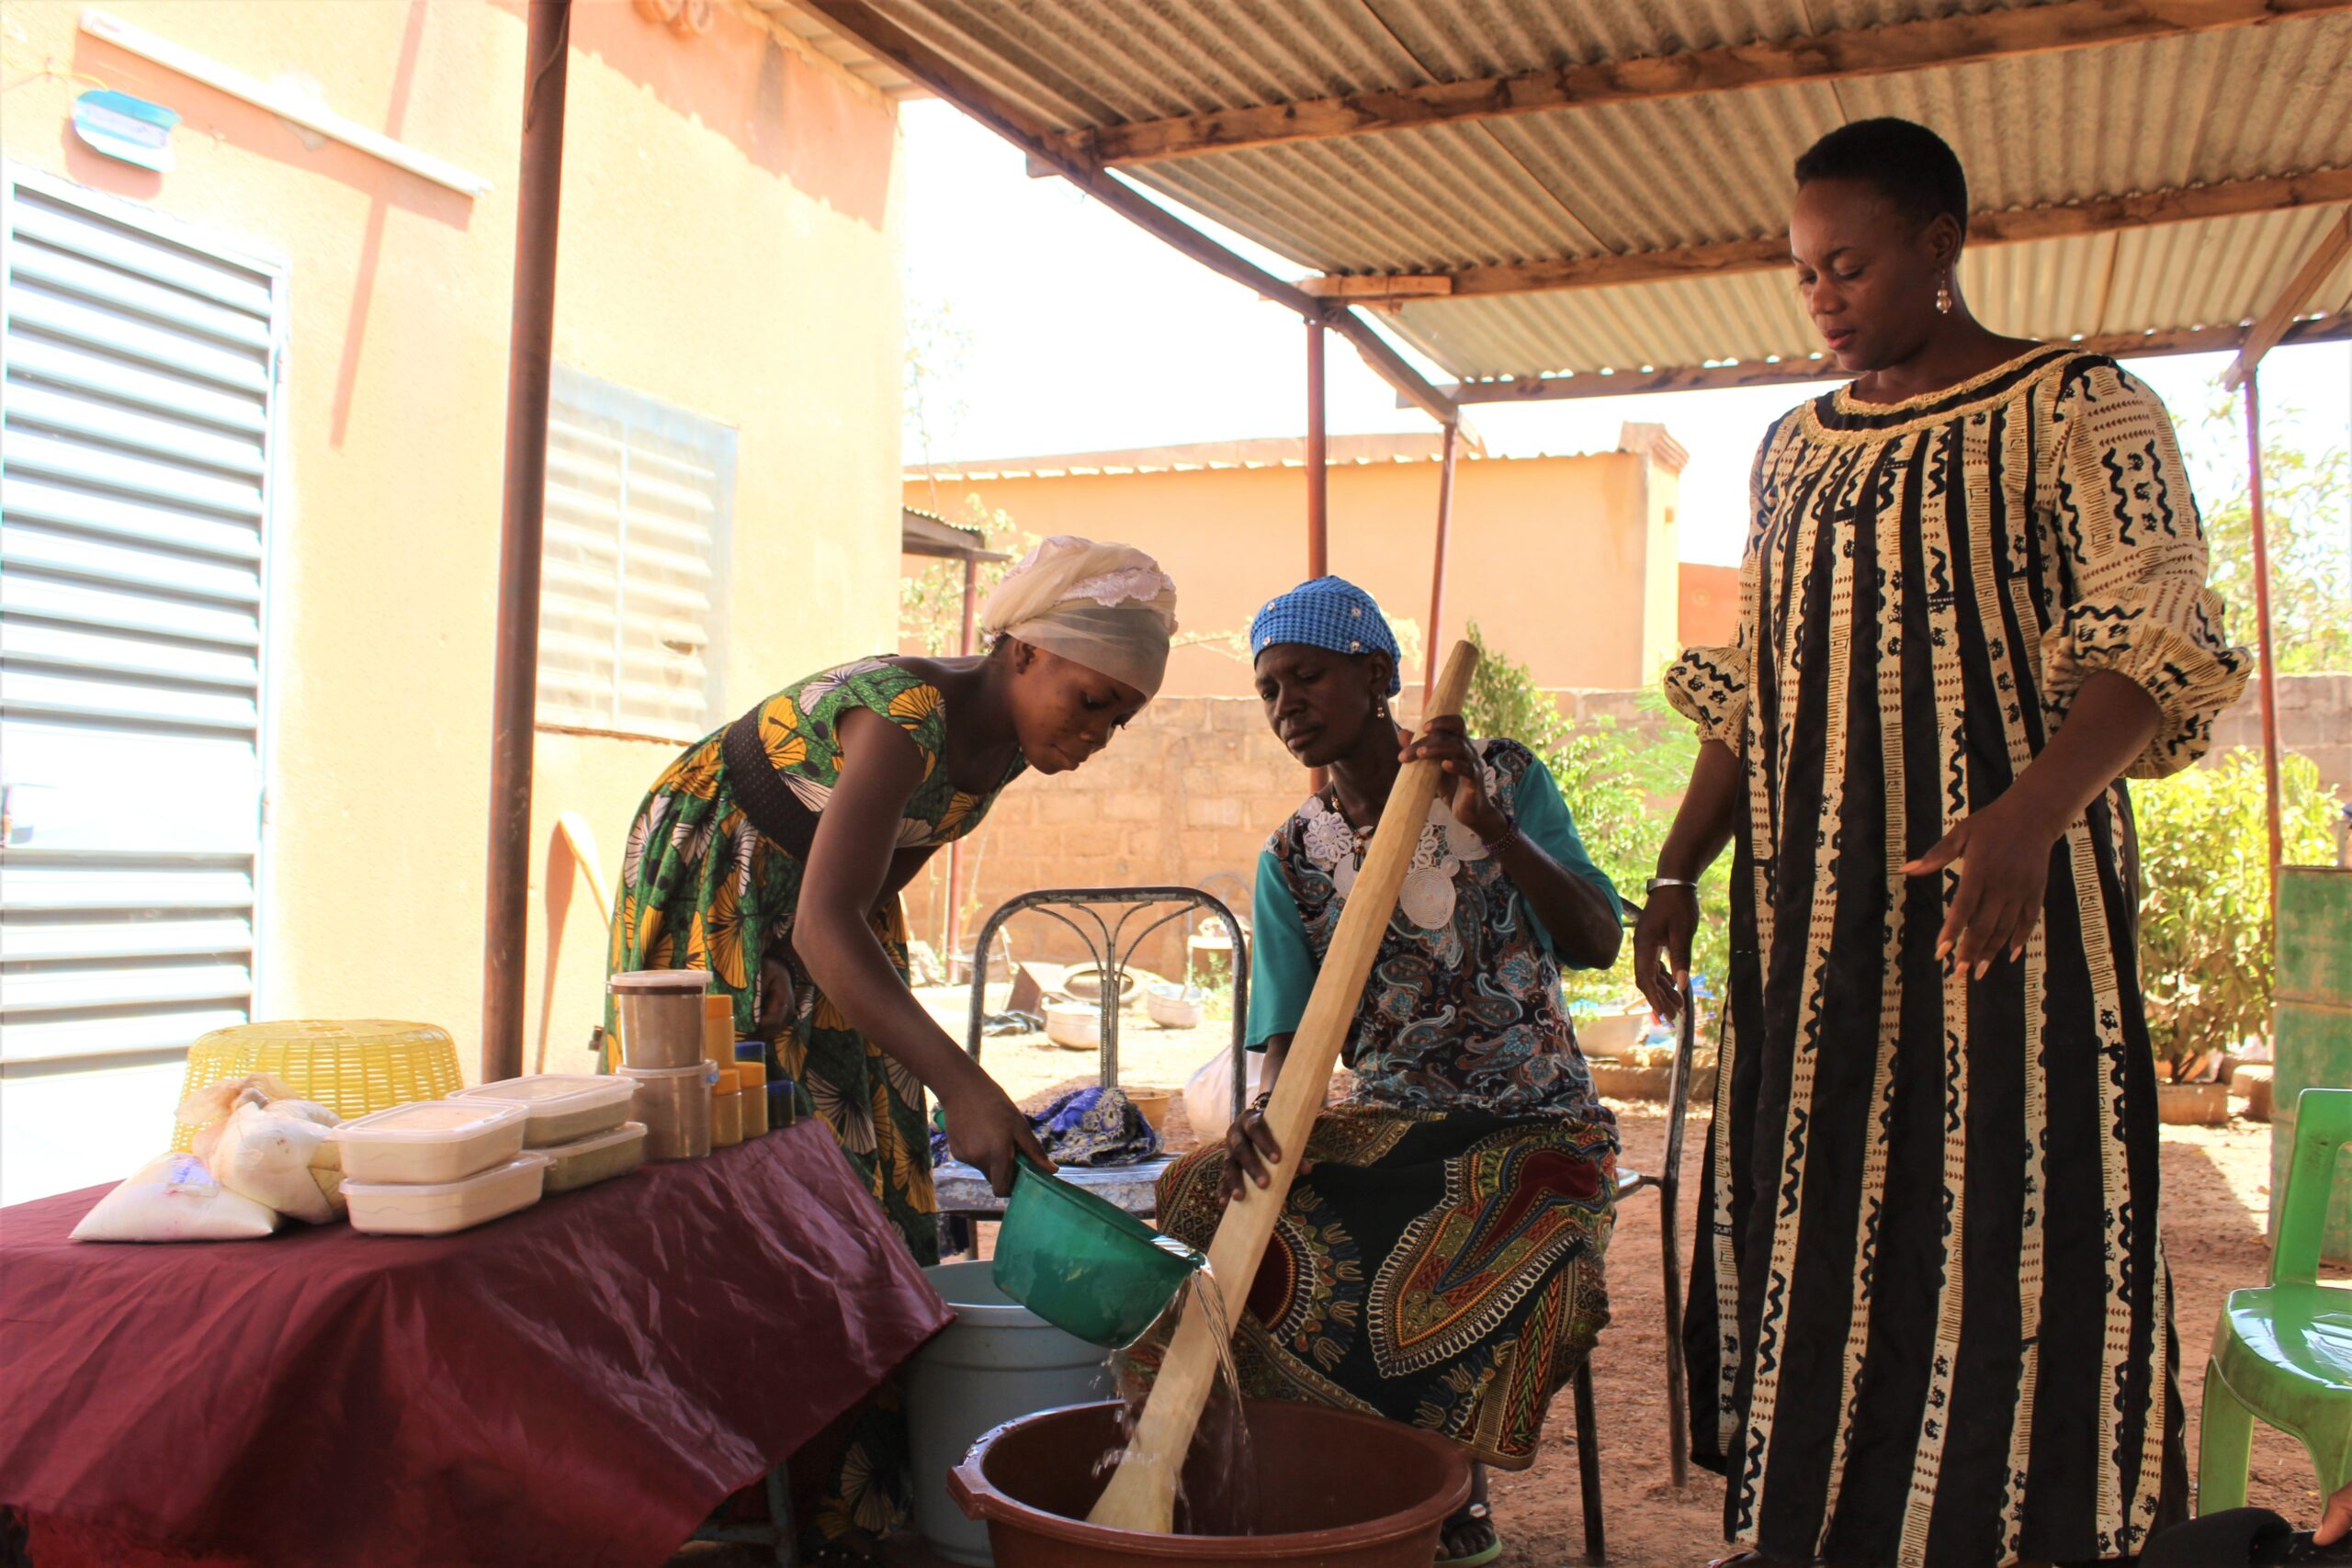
[
  {"x": 1566, "y": 563},
  {"x": 1661, "y": 573},
  {"x": 730, "y": 246}
]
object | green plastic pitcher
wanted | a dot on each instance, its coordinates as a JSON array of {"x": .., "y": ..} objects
[{"x": 1085, "y": 1266}]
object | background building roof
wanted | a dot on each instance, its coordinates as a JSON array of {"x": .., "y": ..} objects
[{"x": 1643, "y": 438}]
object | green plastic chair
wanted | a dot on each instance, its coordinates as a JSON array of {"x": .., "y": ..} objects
[{"x": 2282, "y": 1352}]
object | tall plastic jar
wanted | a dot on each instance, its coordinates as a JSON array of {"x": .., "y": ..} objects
[
  {"x": 727, "y": 1111},
  {"x": 998, "y": 1361}
]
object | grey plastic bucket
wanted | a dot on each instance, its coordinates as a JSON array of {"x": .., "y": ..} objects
[{"x": 998, "y": 1361}]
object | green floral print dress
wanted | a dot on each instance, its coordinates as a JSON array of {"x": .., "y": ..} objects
[{"x": 702, "y": 888}]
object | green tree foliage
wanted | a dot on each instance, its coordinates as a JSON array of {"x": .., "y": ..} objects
[
  {"x": 931, "y": 602},
  {"x": 2307, "y": 512},
  {"x": 929, "y": 404},
  {"x": 1622, "y": 785},
  {"x": 2205, "y": 945}
]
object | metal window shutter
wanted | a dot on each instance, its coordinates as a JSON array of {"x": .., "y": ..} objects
[
  {"x": 134, "y": 427},
  {"x": 631, "y": 593}
]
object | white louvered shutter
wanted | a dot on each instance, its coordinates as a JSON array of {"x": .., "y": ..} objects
[
  {"x": 633, "y": 588},
  {"x": 134, "y": 460}
]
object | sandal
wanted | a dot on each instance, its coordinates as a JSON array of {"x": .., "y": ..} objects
[{"x": 1472, "y": 1514}]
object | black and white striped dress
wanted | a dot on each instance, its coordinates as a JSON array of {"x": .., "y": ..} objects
[{"x": 1930, "y": 1319}]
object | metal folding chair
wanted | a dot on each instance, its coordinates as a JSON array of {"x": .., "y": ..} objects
[
  {"x": 1667, "y": 1184},
  {"x": 964, "y": 1191},
  {"x": 779, "y": 1534}
]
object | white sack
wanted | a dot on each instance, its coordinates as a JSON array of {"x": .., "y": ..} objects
[
  {"x": 209, "y": 1109},
  {"x": 273, "y": 1157},
  {"x": 175, "y": 1198},
  {"x": 1208, "y": 1093}
]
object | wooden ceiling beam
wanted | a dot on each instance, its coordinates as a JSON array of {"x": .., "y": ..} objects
[
  {"x": 1412, "y": 387},
  {"x": 2273, "y": 325},
  {"x": 868, "y": 28},
  {"x": 1818, "y": 58},
  {"x": 2099, "y": 215},
  {"x": 1760, "y": 373},
  {"x": 1377, "y": 289}
]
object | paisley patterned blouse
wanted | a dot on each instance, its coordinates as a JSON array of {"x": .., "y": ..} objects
[{"x": 1462, "y": 1010}]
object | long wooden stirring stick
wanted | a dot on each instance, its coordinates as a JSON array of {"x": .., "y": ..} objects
[{"x": 1142, "y": 1493}]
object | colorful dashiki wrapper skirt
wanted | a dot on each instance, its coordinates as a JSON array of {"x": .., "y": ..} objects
[{"x": 1441, "y": 1270}]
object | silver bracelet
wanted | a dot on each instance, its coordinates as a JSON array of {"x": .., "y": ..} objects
[{"x": 1656, "y": 883}]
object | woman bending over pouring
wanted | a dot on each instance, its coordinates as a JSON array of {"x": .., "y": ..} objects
[
  {"x": 772, "y": 854},
  {"x": 1439, "y": 1261}
]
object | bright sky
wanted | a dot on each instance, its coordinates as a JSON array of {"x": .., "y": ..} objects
[{"x": 1078, "y": 332}]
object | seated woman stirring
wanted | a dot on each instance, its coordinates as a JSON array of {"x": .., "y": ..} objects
[
  {"x": 1439, "y": 1261},
  {"x": 772, "y": 854}
]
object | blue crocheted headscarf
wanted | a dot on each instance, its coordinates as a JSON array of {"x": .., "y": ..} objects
[{"x": 1328, "y": 613}]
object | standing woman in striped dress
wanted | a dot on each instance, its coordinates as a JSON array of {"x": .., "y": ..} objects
[{"x": 1929, "y": 1321}]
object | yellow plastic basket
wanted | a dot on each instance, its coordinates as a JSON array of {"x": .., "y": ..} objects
[{"x": 352, "y": 1066}]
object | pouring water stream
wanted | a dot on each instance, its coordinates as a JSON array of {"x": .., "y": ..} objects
[{"x": 1225, "y": 1502}]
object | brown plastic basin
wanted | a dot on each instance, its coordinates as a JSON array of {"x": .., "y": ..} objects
[{"x": 1332, "y": 1488}]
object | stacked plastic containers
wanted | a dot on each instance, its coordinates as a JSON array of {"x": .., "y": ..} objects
[
  {"x": 751, "y": 1070},
  {"x": 775, "y": 1094},
  {"x": 726, "y": 1093},
  {"x": 662, "y": 1022},
  {"x": 438, "y": 1165},
  {"x": 578, "y": 1121}
]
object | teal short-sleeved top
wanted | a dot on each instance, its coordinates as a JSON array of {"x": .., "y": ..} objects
[{"x": 1463, "y": 1008}]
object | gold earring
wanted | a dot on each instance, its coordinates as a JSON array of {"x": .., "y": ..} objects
[{"x": 1943, "y": 296}]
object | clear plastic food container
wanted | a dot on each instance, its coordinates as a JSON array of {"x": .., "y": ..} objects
[
  {"x": 661, "y": 1014},
  {"x": 430, "y": 1140},
  {"x": 599, "y": 1156},
  {"x": 564, "y": 1107},
  {"x": 674, "y": 1105},
  {"x": 438, "y": 1208}
]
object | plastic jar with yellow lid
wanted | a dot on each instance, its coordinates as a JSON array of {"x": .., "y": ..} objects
[{"x": 726, "y": 1110}]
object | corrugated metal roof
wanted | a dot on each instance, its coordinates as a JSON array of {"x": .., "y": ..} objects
[
  {"x": 823, "y": 40},
  {"x": 2179, "y": 275},
  {"x": 1618, "y": 177},
  {"x": 2241, "y": 103},
  {"x": 925, "y": 533}
]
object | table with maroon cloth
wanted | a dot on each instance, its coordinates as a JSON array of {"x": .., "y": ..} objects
[{"x": 578, "y": 1383}]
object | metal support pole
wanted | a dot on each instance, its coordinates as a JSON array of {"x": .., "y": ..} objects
[
  {"x": 530, "y": 349},
  {"x": 1669, "y": 1231},
  {"x": 951, "y": 933},
  {"x": 2262, "y": 625},
  {"x": 971, "y": 586},
  {"x": 1435, "y": 636},
  {"x": 1319, "y": 499},
  {"x": 1318, "y": 495}
]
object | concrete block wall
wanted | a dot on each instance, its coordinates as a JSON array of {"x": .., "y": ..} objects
[
  {"x": 1189, "y": 793},
  {"x": 1186, "y": 795},
  {"x": 2315, "y": 719}
]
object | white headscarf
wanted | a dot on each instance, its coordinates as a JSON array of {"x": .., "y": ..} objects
[{"x": 1107, "y": 607}]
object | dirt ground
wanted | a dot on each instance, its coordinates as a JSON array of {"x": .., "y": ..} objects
[
  {"x": 1027, "y": 1064},
  {"x": 2217, "y": 1183}
]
